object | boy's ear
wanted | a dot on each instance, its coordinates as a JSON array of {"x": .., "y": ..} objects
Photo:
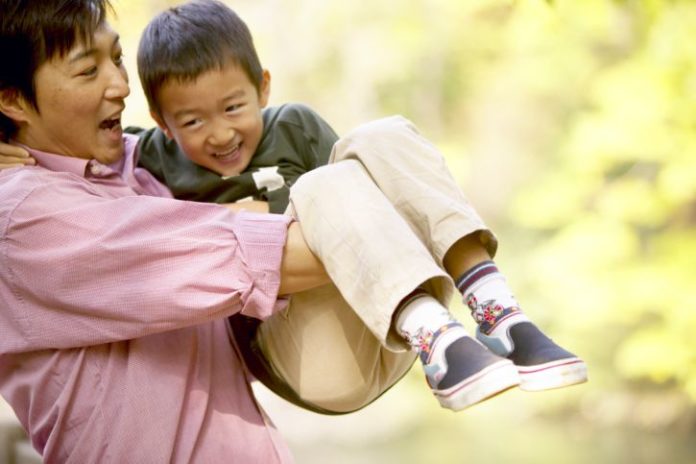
[
  {"x": 265, "y": 88},
  {"x": 161, "y": 124},
  {"x": 13, "y": 105}
]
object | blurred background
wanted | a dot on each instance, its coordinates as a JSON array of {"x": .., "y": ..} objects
[{"x": 572, "y": 128}]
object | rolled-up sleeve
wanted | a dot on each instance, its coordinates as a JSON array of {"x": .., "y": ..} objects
[{"x": 82, "y": 268}]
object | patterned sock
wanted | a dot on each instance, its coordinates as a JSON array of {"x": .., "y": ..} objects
[
  {"x": 419, "y": 316},
  {"x": 487, "y": 295}
]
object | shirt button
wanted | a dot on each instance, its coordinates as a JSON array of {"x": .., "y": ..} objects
[{"x": 96, "y": 170}]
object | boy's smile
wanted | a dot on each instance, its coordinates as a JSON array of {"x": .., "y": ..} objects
[{"x": 216, "y": 118}]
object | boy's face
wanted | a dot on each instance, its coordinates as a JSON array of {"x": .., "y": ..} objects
[{"x": 215, "y": 119}]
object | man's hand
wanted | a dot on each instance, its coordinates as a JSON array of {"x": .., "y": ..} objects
[{"x": 12, "y": 156}]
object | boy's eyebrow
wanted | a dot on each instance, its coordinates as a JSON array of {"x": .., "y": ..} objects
[
  {"x": 90, "y": 51},
  {"x": 237, "y": 93},
  {"x": 186, "y": 111}
]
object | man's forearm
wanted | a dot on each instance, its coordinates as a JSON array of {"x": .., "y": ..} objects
[{"x": 300, "y": 269}]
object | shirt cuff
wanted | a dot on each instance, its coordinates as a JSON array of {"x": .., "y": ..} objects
[{"x": 261, "y": 239}]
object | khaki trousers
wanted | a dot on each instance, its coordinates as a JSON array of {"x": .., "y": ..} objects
[{"x": 381, "y": 217}]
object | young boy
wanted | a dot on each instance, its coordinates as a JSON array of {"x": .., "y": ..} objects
[{"x": 207, "y": 91}]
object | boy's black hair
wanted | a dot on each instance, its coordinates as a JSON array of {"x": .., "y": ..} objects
[
  {"x": 188, "y": 40},
  {"x": 33, "y": 32}
]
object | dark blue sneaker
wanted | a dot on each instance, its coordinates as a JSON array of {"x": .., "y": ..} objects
[
  {"x": 542, "y": 364},
  {"x": 460, "y": 371}
]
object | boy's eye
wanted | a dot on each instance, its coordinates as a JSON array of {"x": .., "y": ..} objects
[
  {"x": 234, "y": 107},
  {"x": 118, "y": 59},
  {"x": 189, "y": 123}
]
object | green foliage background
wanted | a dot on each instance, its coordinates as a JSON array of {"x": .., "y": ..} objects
[{"x": 571, "y": 125}]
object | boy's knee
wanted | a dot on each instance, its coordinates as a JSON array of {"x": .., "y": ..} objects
[
  {"x": 385, "y": 127},
  {"x": 326, "y": 179},
  {"x": 372, "y": 140}
]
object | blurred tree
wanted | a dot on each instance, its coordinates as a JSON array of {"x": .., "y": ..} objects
[{"x": 616, "y": 205}]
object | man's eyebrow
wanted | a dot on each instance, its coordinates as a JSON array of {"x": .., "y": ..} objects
[{"x": 90, "y": 51}]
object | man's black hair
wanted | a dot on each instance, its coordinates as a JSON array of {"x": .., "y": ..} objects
[{"x": 33, "y": 32}]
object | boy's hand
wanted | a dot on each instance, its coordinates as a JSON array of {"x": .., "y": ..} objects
[
  {"x": 12, "y": 156},
  {"x": 256, "y": 206}
]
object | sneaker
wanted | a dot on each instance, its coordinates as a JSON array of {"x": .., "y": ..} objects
[
  {"x": 541, "y": 363},
  {"x": 460, "y": 371}
]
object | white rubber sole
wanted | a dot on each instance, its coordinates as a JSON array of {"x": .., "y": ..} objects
[
  {"x": 488, "y": 382},
  {"x": 556, "y": 374}
]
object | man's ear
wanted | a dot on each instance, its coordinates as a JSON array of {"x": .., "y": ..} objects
[
  {"x": 13, "y": 105},
  {"x": 265, "y": 88},
  {"x": 161, "y": 124}
]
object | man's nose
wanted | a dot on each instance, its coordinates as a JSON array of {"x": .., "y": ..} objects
[{"x": 118, "y": 83}]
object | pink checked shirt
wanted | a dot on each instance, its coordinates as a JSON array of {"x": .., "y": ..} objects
[{"x": 113, "y": 298}]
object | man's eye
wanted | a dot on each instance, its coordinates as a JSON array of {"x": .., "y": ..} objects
[{"x": 91, "y": 71}]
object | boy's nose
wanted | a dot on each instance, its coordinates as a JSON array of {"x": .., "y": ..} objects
[{"x": 222, "y": 134}]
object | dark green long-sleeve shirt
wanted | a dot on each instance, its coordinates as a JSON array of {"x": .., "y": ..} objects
[{"x": 295, "y": 140}]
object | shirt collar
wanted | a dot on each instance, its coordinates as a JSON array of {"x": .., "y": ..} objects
[{"x": 79, "y": 166}]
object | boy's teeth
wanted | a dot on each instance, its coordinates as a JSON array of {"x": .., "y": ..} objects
[{"x": 227, "y": 153}]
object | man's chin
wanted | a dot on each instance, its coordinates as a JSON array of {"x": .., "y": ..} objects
[{"x": 110, "y": 155}]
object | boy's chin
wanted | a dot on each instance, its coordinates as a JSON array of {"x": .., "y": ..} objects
[{"x": 230, "y": 171}]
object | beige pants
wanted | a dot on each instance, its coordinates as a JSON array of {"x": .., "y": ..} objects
[{"x": 381, "y": 217}]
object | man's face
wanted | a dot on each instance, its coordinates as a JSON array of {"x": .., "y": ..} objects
[
  {"x": 80, "y": 97},
  {"x": 215, "y": 119}
]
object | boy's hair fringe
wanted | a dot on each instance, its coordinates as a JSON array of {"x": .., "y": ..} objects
[{"x": 188, "y": 40}]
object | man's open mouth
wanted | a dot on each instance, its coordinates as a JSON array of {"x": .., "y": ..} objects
[{"x": 111, "y": 123}]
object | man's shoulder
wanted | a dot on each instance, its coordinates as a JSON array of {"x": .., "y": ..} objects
[
  {"x": 26, "y": 178},
  {"x": 17, "y": 184}
]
